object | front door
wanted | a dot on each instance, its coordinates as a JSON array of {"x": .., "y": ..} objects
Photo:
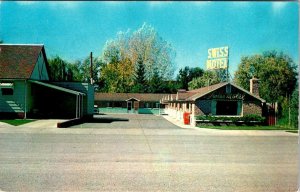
[{"x": 129, "y": 106}]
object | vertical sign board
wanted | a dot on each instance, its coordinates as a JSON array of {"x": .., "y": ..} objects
[{"x": 217, "y": 58}]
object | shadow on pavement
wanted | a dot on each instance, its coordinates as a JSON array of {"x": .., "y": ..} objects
[
  {"x": 73, "y": 122},
  {"x": 104, "y": 120}
]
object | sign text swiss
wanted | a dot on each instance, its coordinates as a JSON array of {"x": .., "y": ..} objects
[{"x": 217, "y": 58}]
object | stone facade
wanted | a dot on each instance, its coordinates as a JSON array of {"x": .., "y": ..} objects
[
  {"x": 252, "y": 108},
  {"x": 197, "y": 110}
]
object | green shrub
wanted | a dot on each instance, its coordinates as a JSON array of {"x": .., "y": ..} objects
[
  {"x": 246, "y": 118},
  {"x": 253, "y": 117}
]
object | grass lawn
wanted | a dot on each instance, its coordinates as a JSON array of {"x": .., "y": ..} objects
[
  {"x": 16, "y": 122},
  {"x": 247, "y": 127}
]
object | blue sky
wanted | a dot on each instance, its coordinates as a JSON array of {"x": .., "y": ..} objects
[{"x": 73, "y": 29}]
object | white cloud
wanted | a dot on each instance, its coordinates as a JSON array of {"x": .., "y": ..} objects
[
  {"x": 158, "y": 3},
  {"x": 112, "y": 2},
  {"x": 201, "y": 3},
  {"x": 241, "y": 4},
  {"x": 64, "y": 4},
  {"x": 26, "y": 2},
  {"x": 55, "y": 4},
  {"x": 278, "y": 6}
]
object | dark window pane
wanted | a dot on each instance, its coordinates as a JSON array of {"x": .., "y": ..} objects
[
  {"x": 7, "y": 91},
  {"x": 227, "y": 107}
]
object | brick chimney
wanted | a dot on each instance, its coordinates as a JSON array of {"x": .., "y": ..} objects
[
  {"x": 254, "y": 86},
  {"x": 180, "y": 94}
]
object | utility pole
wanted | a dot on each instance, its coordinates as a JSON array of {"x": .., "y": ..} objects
[{"x": 91, "y": 61}]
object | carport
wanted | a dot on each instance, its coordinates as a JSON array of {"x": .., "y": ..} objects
[{"x": 52, "y": 101}]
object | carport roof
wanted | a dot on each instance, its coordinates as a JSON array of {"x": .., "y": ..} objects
[{"x": 57, "y": 87}]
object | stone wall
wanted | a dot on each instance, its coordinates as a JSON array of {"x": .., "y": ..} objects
[
  {"x": 251, "y": 108},
  {"x": 197, "y": 110}
]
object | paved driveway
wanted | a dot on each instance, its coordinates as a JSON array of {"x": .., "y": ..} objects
[
  {"x": 149, "y": 155},
  {"x": 130, "y": 121}
]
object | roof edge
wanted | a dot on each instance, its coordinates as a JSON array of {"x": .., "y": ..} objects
[
  {"x": 10, "y": 44},
  {"x": 190, "y": 98},
  {"x": 236, "y": 86},
  {"x": 248, "y": 92}
]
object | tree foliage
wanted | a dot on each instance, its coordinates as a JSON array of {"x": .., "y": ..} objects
[
  {"x": 155, "y": 83},
  {"x": 208, "y": 78},
  {"x": 122, "y": 55},
  {"x": 156, "y": 53},
  {"x": 294, "y": 104},
  {"x": 289, "y": 107},
  {"x": 276, "y": 72},
  {"x": 61, "y": 70},
  {"x": 187, "y": 74},
  {"x": 139, "y": 78},
  {"x": 82, "y": 69}
]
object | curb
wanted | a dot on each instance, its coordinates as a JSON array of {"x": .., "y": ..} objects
[{"x": 68, "y": 123}]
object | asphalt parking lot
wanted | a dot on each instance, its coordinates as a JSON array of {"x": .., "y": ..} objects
[{"x": 144, "y": 153}]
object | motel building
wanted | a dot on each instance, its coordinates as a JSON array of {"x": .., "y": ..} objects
[
  {"x": 26, "y": 89},
  {"x": 132, "y": 103},
  {"x": 223, "y": 99}
]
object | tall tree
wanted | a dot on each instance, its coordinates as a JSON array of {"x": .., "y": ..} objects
[
  {"x": 183, "y": 77},
  {"x": 276, "y": 72},
  {"x": 123, "y": 52},
  {"x": 82, "y": 69},
  {"x": 139, "y": 78},
  {"x": 195, "y": 72},
  {"x": 155, "y": 83},
  {"x": 187, "y": 74},
  {"x": 58, "y": 69},
  {"x": 294, "y": 105},
  {"x": 156, "y": 53}
]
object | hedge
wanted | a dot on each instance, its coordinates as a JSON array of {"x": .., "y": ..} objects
[{"x": 245, "y": 118}]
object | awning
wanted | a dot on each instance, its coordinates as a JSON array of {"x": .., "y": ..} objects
[{"x": 57, "y": 87}]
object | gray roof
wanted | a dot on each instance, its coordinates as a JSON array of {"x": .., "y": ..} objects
[
  {"x": 195, "y": 94},
  {"x": 206, "y": 90},
  {"x": 150, "y": 97}
]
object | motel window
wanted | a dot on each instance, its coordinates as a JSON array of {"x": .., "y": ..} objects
[
  {"x": 187, "y": 106},
  {"x": 7, "y": 91},
  {"x": 229, "y": 108},
  {"x": 117, "y": 104}
]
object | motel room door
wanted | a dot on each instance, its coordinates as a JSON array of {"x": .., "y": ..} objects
[
  {"x": 129, "y": 106},
  {"x": 132, "y": 105}
]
